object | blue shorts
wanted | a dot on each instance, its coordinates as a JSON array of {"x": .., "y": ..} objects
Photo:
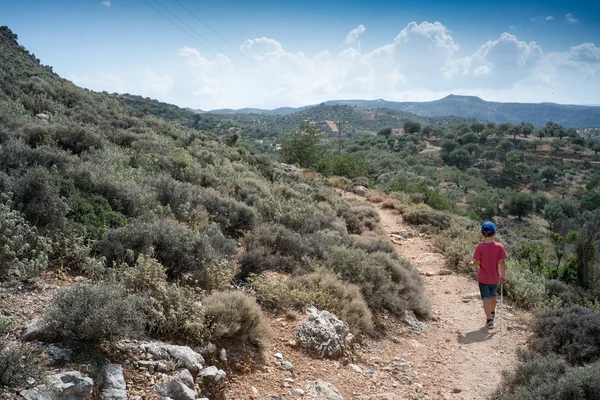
[{"x": 487, "y": 291}]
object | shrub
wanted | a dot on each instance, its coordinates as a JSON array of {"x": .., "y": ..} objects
[
  {"x": 19, "y": 362},
  {"x": 297, "y": 214},
  {"x": 23, "y": 253},
  {"x": 572, "y": 332},
  {"x": 6, "y": 324},
  {"x": 424, "y": 217},
  {"x": 392, "y": 204},
  {"x": 561, "y": 294},
  {"x": 550, "y": 378},
  {"x": 184, "y": 252},
  {"x": 345, "y": 300},
  {"x": 385, "y": 282},
  {"x": 372, "y": 244},
  {"x": 172, "y": 311},
  {"x": 276, "y": 247},
  {"x": 235, "y": 317},
  {"x": 39, "y": 200},
  {"x": 458, "y": 245},
  {"x": 233, "y": 216},
  {"x": 93, "y": 313},
  {"x": 320, "y": 289},
  {"x": 526, "y": 288}
]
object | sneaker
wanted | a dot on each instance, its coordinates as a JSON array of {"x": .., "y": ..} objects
[{"x": 490, "y": 323}]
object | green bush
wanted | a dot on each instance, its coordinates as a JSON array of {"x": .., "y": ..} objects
[
  {"x": 93, "y": 313},
  {"x": 385, "y": 282},
  {"x": 550, "y": 377},
  {"x": 172, "y": 311},
  {"x": 183, "y": 251},
  {"x": 525, "y": 288},
  {"x": 6, "y": 324},
  {"x": 23, "y": 253},
  {"x": 572, "y": 332},
  {"x": 233, "y": 216},
  {"x": 235, "y": 317},
  {"x": 39, "y": 200}
]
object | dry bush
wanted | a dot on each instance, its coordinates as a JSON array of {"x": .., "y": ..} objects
[
  {"x": 372, "y": 243},
  {"x": 374, "y": 198},
  {"x": 93, "y": 313},
  {"x": 235, "y": 316},
  {"x": 320, "y": 289},
  {"x": 18, "y": 363},
  {"x": 392, "y": 204}
]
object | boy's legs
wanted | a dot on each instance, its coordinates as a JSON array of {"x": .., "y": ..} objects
[
  {"x": 487, "y": 307},
  {"x": 488, "y": 296}
]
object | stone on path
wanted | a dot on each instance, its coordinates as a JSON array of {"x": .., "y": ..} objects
[{"x": 324, "y": 334}]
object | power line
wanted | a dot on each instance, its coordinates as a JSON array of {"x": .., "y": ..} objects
[
  {"x": 190, "y": 28},
  {"x": 213, "y": 31},
  {"x": 173, "y": 22}
]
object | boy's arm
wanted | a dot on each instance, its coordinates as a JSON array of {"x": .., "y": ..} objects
[{"x": 502, "y": 265}]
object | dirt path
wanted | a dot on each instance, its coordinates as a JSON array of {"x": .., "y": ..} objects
[{"x": 459, "y": 354}]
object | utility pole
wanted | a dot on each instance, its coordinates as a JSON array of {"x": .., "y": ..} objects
[{"x": 339, "y": 126}]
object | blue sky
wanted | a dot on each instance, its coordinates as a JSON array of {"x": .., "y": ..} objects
[{"x": 290, "y": 53}]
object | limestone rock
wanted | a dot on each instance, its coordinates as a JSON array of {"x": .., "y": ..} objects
[
  {"x": 58, "y": 356},
  {"x": 176, "y": 390},
  {"x": 411, "y": 319},
  {"x": 36, "y": 329},
  {"x": 324, "y": 334},
  {"x": 320, "y": 390},
  {"x": 114, "y": 387},
  {"x": 186, "y": 377},
  {"x": 67, "y": 385},
  {"x": 187, "y": 357},
  {"x": 213, "y": 382},
  {"x": 360, "y": 190}
]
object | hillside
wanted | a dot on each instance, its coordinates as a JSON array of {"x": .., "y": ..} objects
[
  {"x": 121, "y": 229},
  {"x": 570, "y": 116}
]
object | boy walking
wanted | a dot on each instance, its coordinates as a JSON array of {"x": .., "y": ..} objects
[{"x": 489, "y": 257}]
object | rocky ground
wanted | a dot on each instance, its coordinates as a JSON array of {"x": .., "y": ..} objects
[{"x": 454, "y": 357}]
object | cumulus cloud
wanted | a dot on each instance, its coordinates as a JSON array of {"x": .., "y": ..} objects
[
  {"x": 106, "y": 3},
  {"x": 422, "y": 62},
  {"x": 352, "y": 36},
  {"x": 570, "y": 18}
]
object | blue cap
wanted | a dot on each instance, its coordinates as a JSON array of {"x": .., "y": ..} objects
[{"x": 488, "y": 228}]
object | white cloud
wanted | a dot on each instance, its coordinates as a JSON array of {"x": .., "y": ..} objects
[
  {"x": 570, "y": 18},
  {"x": 542, "y": 19},
  {"x": 106, "y": 3},
  {"x": 156, "y": 85},
  {"x": 422, "y": 62},
  {"x": 352, "y": 36}
]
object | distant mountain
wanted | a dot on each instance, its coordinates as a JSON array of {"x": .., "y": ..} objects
[{"x": 571, "y": 116}]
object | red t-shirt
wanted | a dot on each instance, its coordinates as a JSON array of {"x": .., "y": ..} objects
[{"x": 489, "y": 254}]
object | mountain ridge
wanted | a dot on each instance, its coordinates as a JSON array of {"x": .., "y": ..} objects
[{"x": 568, "y": 115}]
